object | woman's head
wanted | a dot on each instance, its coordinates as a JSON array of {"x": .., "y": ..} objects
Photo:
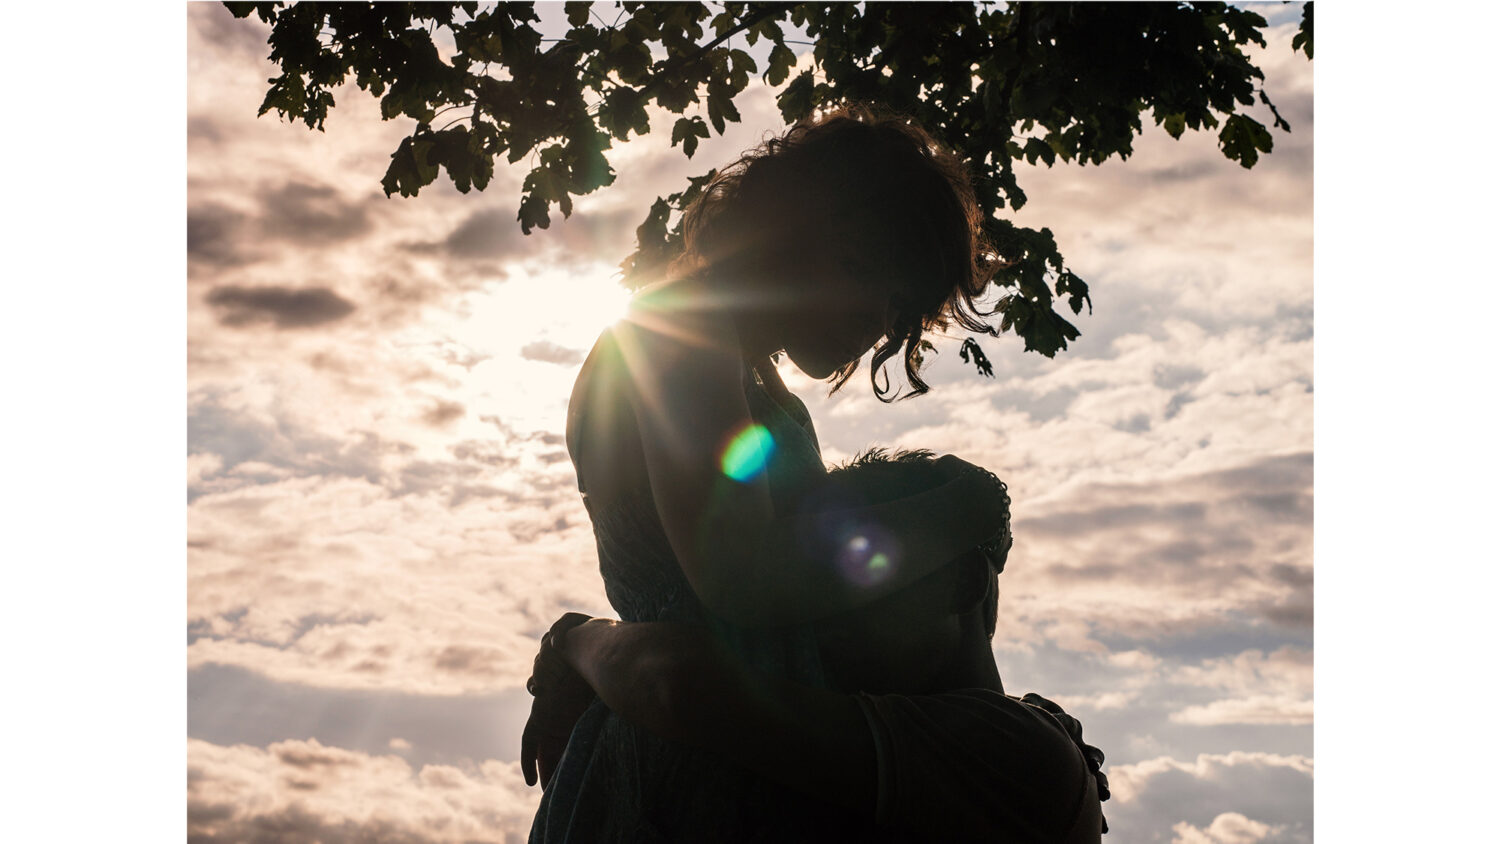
[{"x": 864, "y": 228}]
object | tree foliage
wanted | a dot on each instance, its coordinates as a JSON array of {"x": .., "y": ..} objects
[{"x": 1033, "y": 82}]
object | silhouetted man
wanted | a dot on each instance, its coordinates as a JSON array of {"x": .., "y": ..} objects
[{"x": 916, "y": 738}]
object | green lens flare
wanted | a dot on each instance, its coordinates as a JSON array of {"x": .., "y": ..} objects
[{"x": 748, "y": 453}]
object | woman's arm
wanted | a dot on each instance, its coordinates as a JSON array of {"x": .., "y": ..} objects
[
  {"x": 747, "y": 563},
  {"x": 676, "y": 682}
]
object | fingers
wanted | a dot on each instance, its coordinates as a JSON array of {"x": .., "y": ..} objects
[
  {"x": 528, "y": 755},
  {"x": 548, "y": 755}
]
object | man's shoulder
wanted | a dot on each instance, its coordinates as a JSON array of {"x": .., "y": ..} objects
[
  {"x": 952, "y": 752},
  {"x": 989, "y": 722}
]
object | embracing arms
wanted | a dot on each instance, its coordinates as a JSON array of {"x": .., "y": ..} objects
[{"x": 676, "y": 681}]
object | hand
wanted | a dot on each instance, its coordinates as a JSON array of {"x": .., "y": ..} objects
[{"x": 561, "y": 697}]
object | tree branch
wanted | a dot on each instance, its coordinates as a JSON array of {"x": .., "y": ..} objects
[{"x": 674, "y": 65}]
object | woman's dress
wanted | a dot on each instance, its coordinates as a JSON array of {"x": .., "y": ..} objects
[{"x": 616, "y": 782}]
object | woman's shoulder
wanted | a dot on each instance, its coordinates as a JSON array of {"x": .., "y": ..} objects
[
  {"x": 691, "y": 312},
  {"x": 599, "y": 422}
]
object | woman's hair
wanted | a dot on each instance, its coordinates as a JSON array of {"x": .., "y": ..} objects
[{"x": 878, "y": 189}]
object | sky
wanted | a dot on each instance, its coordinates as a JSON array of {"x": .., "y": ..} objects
[
  {"x": 93, "y": 337},
  {"x": 382, "y": 519}
]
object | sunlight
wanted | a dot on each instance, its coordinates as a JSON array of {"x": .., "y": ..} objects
[
  {"x": 529, "y": 334},
  {"x": 562, "y": 308}
]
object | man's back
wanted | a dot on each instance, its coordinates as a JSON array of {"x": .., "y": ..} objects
[{"x": 979, "y": 765}]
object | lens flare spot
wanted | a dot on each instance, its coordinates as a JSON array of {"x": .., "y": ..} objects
[
  {"x": 748, "y": 453},
  {"x": 869, "y": 557}
]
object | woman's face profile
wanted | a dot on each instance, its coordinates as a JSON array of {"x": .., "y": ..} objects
[{"x": 842, "y": 316}]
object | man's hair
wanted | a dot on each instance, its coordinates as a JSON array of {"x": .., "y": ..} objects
[{"x": 878, "y": 475}]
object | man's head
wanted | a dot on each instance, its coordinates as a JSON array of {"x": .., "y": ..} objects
[{"x": 908, "y": 641}]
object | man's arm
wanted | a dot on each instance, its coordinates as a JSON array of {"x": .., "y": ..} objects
[{"x": 676, "y": 681}]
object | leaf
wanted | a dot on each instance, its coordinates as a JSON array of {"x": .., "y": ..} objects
[
  {"x": 687, "y": 131},
  {"x": 721, "y": 109},
  {"x": 409, "y": 170},
  {"x": 578, "y": 13},
  {"x": 1175, "y": 124},
  {"x": 623, "y": 110},
  {"x": 1036, "y": 149},
  {"x": 779, "y": 65},
  {"x": 1075, "y": 289},
  {"x": 741, "y": 65},
  {"x": 242, "y": 10},
  {"x": 722, "y": 23},
  {"x": 972, "y": 353},
  {"x": 653, "y": 249},
  {"x": 545, "y": 185},
  {"x": 795, "y": 101},
  {"x": 1303, "y": 40},
  {"x": 1243, "y": 139}
]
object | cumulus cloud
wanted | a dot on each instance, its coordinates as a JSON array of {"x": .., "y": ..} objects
[
  {"x": 1274, "y": 688},
  {"x": 304, "y": 791},
  {"x": 550, "y": 352},
  {"x": 1275, "y": 790},
  {"x": 1228, "y": 828}
]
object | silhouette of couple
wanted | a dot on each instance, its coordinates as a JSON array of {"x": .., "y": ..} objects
[{"x": 803, "y": 654}]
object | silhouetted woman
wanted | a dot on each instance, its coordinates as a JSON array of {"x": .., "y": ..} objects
[{"x": 701, "y": 471}]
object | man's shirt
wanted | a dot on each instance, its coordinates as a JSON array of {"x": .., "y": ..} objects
[{"x": 979, "y": 765}]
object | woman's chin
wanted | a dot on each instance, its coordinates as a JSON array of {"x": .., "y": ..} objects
[{"x": 815, "y": 369}]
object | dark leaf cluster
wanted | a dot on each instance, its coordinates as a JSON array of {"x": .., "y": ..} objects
[{"x": 1033, "y": 82}]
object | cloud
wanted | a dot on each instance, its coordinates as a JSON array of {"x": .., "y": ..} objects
[
  {"x": 213, "y": 236},
  {"x": 420, "y": 592},
  {"x": 282, "y": 307},
  {"x": 219, "y": 30},
  {"x": 1148, "y": 562},
  {"x": 547, "y": 351},
  {"x": 311, "y": 214},
  {"x": 229, "y": 705},
  {"x": 1262, "y": 688},
  {"x": 443, "y": 412},
  {"x": 1228, "y": 828},
  {"x": 224, "y": 434},
  {"x": 1259, "y": 709},
  {"x": 1158, "y": 796},
  {"x": 488, "y": 233},
  {"x": 368, "y": 565},
  {"x": 303, "y": 791}
]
